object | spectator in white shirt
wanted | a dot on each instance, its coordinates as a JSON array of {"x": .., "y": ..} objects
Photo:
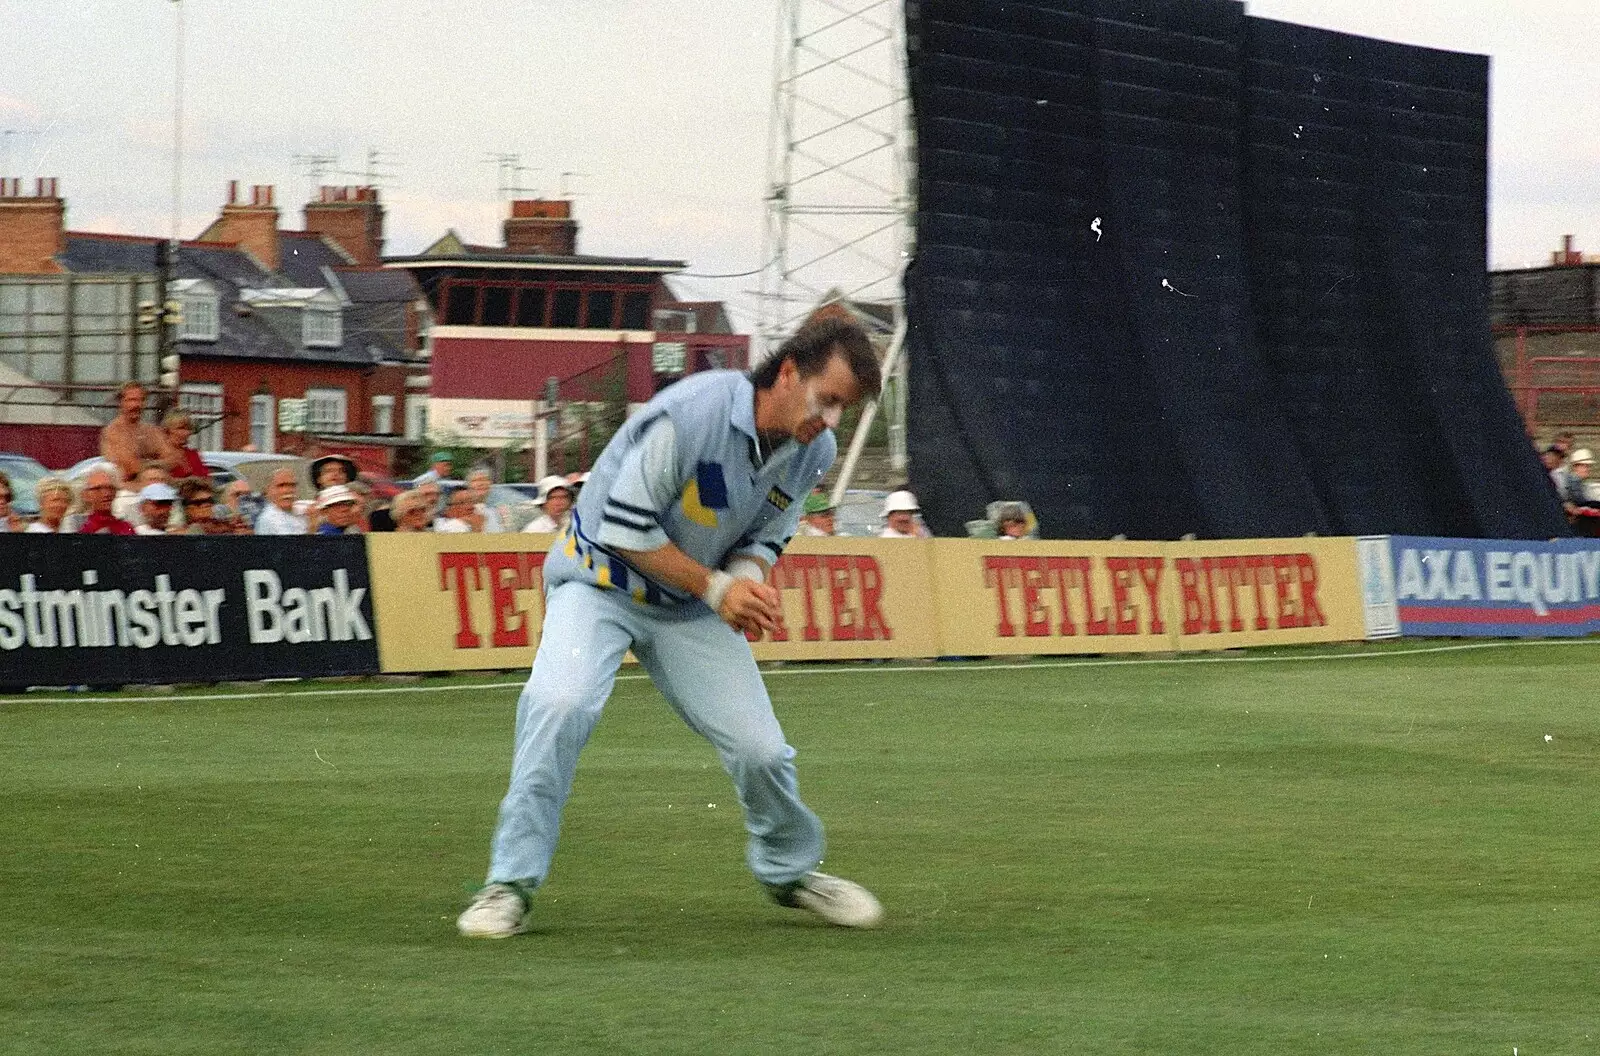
[
  {"x": 479, "y": 481},
  {"x": 412, "y": 512},
  {"x": 900, "y": 510},
  {"x": 457, "y": 510},
  {"x": 155, "y": 508},
  {"x": 280, "y": 516},
  {"x": 555, "y": 495},
  {"x": 55, "y": 499}
]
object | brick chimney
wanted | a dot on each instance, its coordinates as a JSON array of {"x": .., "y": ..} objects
[
  {"x": 253, "y": 225},
  {"x": 539, "y": 226},
  {"x": 32, "y": 228},
  {"x": 1566, "y": 256},
  {"x": 352, "y": 217}
]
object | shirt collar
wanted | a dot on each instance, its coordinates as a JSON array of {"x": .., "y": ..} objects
[{"x": 743, "y": 416}]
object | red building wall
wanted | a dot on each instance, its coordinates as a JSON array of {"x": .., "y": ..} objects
[
  {"x": 241, "y": 379},
  {"x": 492, "y": 368}
]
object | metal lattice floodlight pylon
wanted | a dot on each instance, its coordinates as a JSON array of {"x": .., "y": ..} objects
[{"x": 840, "y": 201}]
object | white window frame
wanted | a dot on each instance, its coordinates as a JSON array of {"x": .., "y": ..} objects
[
  {"x": 200, "y": 315},
  {"x": 416, "y": 416},
  {"x": 325, "y": 411},
  {"x": 382, "y": 415},
  {"x": 322, "y": 326},
  {"x": 264, "y": 422},
  {"x": 203, "y": 400}
]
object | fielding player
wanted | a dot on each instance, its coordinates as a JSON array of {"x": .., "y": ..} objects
[{"x": 667, "y": 554}]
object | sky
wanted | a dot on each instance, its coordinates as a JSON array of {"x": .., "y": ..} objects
[{"x": 652, "y": 114}]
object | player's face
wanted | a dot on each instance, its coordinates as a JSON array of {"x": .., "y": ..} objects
[{"x": 816, "y": 403}]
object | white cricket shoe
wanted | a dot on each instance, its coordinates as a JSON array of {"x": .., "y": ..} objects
[
  {"x": 835, "y": 900},
  {"x": 497, "y": 912}
]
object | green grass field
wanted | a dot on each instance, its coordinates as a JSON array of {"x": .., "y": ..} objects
[{"x": 1357, "y": 855}]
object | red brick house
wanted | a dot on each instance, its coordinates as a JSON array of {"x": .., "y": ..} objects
[{"x": 289, "y": 340}]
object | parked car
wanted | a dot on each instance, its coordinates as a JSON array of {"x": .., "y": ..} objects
[{"x": 24, "y": 473}]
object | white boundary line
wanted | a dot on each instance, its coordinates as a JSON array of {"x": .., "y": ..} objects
[{"x": 874, "y": 669}]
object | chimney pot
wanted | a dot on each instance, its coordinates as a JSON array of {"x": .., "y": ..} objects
[{"x": 233, "y": 192}]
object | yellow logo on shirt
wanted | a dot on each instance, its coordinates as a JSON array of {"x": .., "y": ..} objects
[{"x": 694, "y": 509}]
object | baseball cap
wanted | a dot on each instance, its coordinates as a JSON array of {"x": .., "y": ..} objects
[
  {"x": 158, "y": 492},
  {"x": 334, "y": 495},
  {"x": 818, "y": 502},
  {"x": 443, "y": 456},
  {"x": 1581, "y": 455}
]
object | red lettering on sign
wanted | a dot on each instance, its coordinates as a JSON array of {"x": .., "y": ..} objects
[
  {"x": 507, "y": 575},
  {"x": 1285, "y": 578},
  {"x": 869, "y": 584},
  {"x": 1034, "y": 578},
  {"x": 802, "y": 572},
  {"x": 1150, "y": 570},
  {"x": 1195, "y": 609},
  {"x": 1064, "y": 571},
  {"x": 844, "y": 622},
  {"x": 994, "y": 577},
  {"x": 1310, "y": 608},
  {"x": 1122, "y": 575},
  {"x": 457, "y": 566}
]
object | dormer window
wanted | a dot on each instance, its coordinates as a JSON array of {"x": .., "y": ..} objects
[
  {"x": 323, "y": 326},
  {"x": 200, "y": 304}
]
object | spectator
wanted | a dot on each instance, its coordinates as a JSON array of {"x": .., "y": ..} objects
[
  {"x": 339, "y": 508},
  {"x": 98, "y": 492},
  {"x": 280, "y": 517},
  {"x": 429, "y": 490},
  {"x": 240, "y": 505},
  {"x": 555, "y": 496},
  {"x": 1011, "y": 521},
  {"x": 457, "y": 513},
  {"x": 900, "y": 510},
  {"x": 411, "y": 512},
  {"x": 1579, "y": 489},
  {"x": 127, "y": 503},
  {"x": 129, "y": 442},
  {"x": 443, "y": 463},
  {"x": 818, "y": 517},
  {"x": 1552, "y": 459},
  {"x": 330, "y": 470},
  {"x": 199, "y": 500},
  {"x": 479, "y": 481},
  {"x": 55, "y": 499},
  {"x": 155, "y": 509},
  {"x": 10, "y": 521},
  {"x": 179, "y": 427}
]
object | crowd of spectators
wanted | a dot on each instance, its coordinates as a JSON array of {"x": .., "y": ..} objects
[{"x": 1571, "y": 471}]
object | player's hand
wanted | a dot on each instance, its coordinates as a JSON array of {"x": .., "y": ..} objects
[{"x": 751, "y": 606}]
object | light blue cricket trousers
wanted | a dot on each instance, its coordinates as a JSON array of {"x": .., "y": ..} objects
[{"x": 704, "y": 669}]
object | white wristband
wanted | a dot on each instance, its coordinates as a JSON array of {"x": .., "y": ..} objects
[
  {"x": 747, "y": 568},
  {"x": 717, "y": 588}
]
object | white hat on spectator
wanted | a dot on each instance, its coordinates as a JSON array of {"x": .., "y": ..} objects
[
  {"x": 549, "y": 484},
  {"x": 158, "y": 491},
  {"x": 332, "y": 496},
  {"x": 1581, "y": 455},
  {"x": 900, "y": 502}
]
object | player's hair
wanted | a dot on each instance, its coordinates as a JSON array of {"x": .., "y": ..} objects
[{"x": 814, "y": 344}]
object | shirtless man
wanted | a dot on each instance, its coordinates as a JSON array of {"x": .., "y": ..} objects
[{"x": 129, "y": 442}]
